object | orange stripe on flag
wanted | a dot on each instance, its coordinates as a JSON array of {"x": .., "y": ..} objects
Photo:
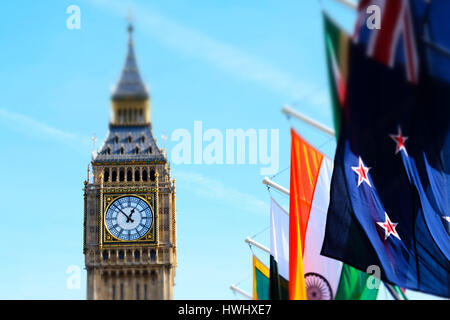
[{"x": 305, "y": 167}]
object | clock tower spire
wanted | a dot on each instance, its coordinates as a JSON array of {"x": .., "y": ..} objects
[
  {"x": 129, "y": 216},
  {"x": 130, "y": 98}
]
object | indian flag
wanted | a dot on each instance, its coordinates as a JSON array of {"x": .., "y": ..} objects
[
  {"x": 309, "y": 198},
  {"x": 324, "y": 278}
]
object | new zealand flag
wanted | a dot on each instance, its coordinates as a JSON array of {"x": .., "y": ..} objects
[{"x": 390, "y": 191}]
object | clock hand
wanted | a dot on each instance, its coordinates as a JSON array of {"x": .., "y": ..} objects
[
  {"x": 128, "y": 218},
  {"x": 124, "y": 213},
  {"x": 132, "y": 211}
]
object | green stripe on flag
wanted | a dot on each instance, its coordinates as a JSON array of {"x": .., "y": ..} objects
[
  {"x": 336, "y": 44},
  {"x": 353, "y": 285},
  {"x": 262, "y": 286}
]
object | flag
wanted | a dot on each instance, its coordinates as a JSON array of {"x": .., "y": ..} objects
[
  {"x": 260, "y": 280},
  {"x": 321, "y": 273},
  {"x": 352, "y": 283},
  {"x": 395, "y": 41},
  {"x": 391, "y": 182},
  {"x": 279, "y": 252},
  {"x": 337, "y": 43},
  {"x": 325, "y": 278},
  {"x": 304, "y": 172}
]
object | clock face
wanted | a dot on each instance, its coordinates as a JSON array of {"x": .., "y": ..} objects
[{"x": 129, "y": 218}]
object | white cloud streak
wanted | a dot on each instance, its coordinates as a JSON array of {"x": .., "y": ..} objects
[
  {"x": 222, "y": 55},
  {"x": 209, "y": 188},
  {"x": 28, "y": 125}
]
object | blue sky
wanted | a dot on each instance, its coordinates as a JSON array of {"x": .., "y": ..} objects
[{"x": 231, "y": 64}]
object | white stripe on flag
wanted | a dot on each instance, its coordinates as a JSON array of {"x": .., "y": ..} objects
[
  {"x": 279, "y": 238},
  {"x": 328, "y": 268}
]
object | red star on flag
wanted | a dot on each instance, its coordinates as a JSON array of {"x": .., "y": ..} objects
[
  {"x": 362, "y": 171},
  {"x": 389, "y": 227},
  {"x": 400, "y": 141}
]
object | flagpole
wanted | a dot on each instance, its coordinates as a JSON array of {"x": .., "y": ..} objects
[
  {"x": 252, "y": 242},
  {"x": 392, "y": 291},
  {"x": 300, "y": 116},
  {"x": 240, "y": 291},
  {"x": 275, "y": 185}
]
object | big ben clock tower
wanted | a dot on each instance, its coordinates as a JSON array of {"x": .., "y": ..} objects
[{"x": 129, "y": 204}]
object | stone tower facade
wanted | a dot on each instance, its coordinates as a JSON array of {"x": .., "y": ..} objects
[{"x": 129, "y": 202}]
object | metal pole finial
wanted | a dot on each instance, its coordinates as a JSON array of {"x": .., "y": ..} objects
[
  {"x": 130, "y": 27},
  {"x": 130, "y": 20}
]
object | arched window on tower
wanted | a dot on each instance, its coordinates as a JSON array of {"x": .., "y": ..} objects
[
  {"x": 153, "y": 255},
  {"x": 114, "y": 175},
  {"x": 108, "y": 150},
  {"x": 137, "y": 175},
  {"x": 106, "y": 175},
  {"x": 136, "y": 150},
  {"x": 150, "y": 150},
  {"x": 152, "y": 175},
  {"x": 122, "y": 150},
  {"x": 105, "y": 277},
  {"x": 144, "y": 175},
  {"x": 143, "y": 139},
  {"x": 129, "y": 175},
  {"x": 137, "y": 255},
  {"x": 130, "y": 138},
  {"x": 153, "y": 275},
  {"x": 122, "y": 175},
  {"x": 116, "y": 139}
]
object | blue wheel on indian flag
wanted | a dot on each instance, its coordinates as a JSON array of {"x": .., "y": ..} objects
[{"x": 317, "y": 287}]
